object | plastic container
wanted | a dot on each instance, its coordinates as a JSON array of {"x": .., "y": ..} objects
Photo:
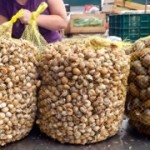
[{"x": 129, "y": 26}]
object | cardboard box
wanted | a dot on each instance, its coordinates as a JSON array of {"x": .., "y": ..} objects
[{"x": 87, "y": 29}]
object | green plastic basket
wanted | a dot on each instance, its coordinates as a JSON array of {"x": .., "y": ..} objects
[{"x": 129, "y": 26}]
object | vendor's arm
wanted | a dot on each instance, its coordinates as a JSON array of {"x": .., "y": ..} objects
[
  {"x": 55, "y": 21},
  {"x": 58, "y": 18},
  {"x": 3, "y": 12},
  {"x": 3, "y": 19}
]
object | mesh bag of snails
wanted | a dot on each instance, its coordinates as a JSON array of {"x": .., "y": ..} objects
[
  {"x": 83, "y": 90},
  {"x": 18, "y": 82},
  {"x": 138, "y": 97},
  {"x": 140, "y": 44}
]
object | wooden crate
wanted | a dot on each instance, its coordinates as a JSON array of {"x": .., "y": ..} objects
[
  {"x": 95, "y": 29},
  {"x": 118, "y": 9},
  {"x": 131, "y": 5},
  {"x": 117, "y": 6},
  {"x": 108, "y": 6}
]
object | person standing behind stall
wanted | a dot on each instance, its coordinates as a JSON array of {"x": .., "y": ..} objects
[{"x": 53, "y": 19}]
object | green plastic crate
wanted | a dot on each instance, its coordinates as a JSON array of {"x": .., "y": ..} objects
[{"x": 129, "y": 26}]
